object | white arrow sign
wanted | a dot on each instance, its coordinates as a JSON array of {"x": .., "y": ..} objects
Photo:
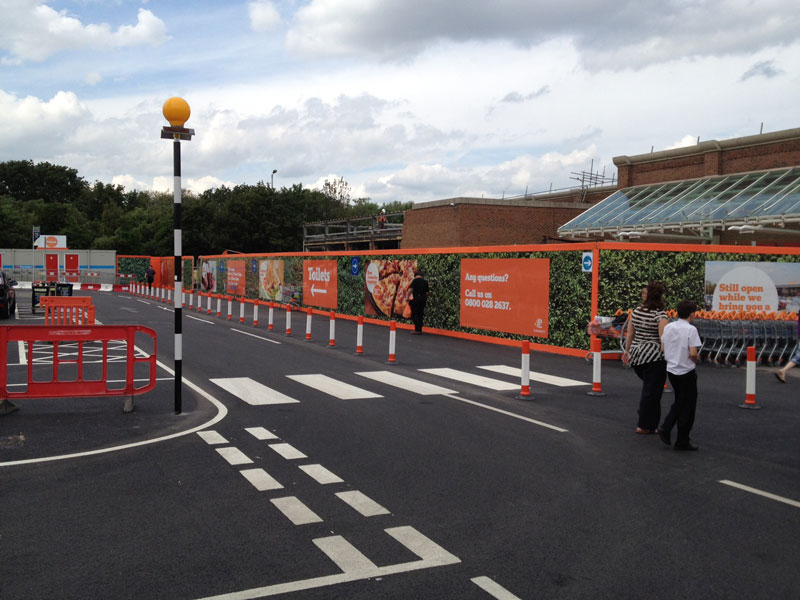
[{"x": 315, "y": 290}]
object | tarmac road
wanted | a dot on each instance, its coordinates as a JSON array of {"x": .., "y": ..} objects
[{"x": 330, "y": 475}]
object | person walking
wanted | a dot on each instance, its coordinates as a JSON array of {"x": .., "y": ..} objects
[
  {"x": 419, "y": 296},
  {"x": 643, "y": 353},
  {"x": 681, "y": 349},
  {"x": 150, "y": 274},
  {"x": 795, "y": 360}
]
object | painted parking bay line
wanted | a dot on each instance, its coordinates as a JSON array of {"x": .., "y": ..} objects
[
  {"x": 333, "y": 387},
  {"x": 758, "y": 492},
  {"x": 479, "y": 380},
  {"x": 407, "y": 384},
  {"x": 252, "y": 392},
  {"x": 534, "y": 376}
]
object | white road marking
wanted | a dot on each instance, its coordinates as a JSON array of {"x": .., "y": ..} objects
[
  {"x": 344, "y": 554},
  {"x": 362, "y": 503},
  {"x": 252, "y": 392},
  {"x": 534, "y": 376},
  {"x": 495, "y": 589},
  {"x": 261, "y": 433},
  {"x": 255, "y": 336},
  {"x": 234, "y": 456},
  {"x": 261, "y": 480},
  {"x": 509, "y": 414},
  {"x": 479, "y": 380},
  {"x": 333, "y": 387},
  {"x": 406, "y": 383},
  {"x": 212, "y": 437},
  {"x": 752, "y": 490},
  {"x": 199, "y": 319},
  {"x": 222, "y": 412},
  {"x": 23, "y": 356},
  {"x": 294, "y": 510},
  {"x": 431, "y": 556},
  {"x": 320, "y": 474},
  {"x": 287, "y": 451}
]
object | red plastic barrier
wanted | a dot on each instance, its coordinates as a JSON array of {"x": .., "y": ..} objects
[{"x": 75, "y": 387}]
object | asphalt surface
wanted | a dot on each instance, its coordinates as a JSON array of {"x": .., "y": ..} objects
[{"x": 469, "y": 493}]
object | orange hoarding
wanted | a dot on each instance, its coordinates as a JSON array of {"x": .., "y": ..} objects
[
  {"x": 320, "y": 283},
  {"x": 236, "y": 277},
  {"x": 506, "y": 294}
]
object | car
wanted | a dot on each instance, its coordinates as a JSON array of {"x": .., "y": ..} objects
[{"x": 8, "y": 298}]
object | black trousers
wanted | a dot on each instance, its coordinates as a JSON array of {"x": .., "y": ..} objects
[
  {"x": 653, "y": 376},
  {"x": 417, "y": 312},
  {"x": 683, "y": 408},
  {"x": 149, "y": 283}
]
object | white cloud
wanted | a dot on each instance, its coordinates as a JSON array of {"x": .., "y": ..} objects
[
  {"x": 687, "y": 140},
  {"x": 129, "y": 182},
  {"x": 93, "y": 78},
  {"x": 263, "y": 15},
  {"x": 32, "y": 31}
]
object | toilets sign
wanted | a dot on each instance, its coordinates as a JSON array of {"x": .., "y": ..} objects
[{"x": 320, "y": 283}]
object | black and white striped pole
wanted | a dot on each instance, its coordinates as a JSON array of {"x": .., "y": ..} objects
[{"x": 176, "y": 111}]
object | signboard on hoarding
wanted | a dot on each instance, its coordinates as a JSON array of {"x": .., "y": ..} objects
[
  {"x": 51, "y": 242},
  {"x": 752, "y": 286},
  {"x": 506, "y": 294},
  {"x": 320, "y": 283},
  {"x": 236, "y": 277}
]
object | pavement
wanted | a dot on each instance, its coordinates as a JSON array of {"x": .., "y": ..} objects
[{"x": 305, "y": 471}]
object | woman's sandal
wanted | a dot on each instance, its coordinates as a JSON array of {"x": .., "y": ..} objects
[
  {"x": 644, "y": 431},
  {"x": 779, "y": 378}
]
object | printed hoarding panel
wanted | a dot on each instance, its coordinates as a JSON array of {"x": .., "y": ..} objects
[
  {"x": 236, "y": 277},
  {"x": 387, "y": 284},
  {"x": 320, "y": 283},
  {"x": 752, "y": 286},
  {"x": 270, "y": 279},
  {"x": 510, "y": 295}
]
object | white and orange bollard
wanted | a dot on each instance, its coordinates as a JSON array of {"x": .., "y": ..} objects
[
  {"x": 208, "y": 304},
  {"x": 230, "y": 307},
  {"x": 332, "y": 336},
  {"x": 288, "y": 319},
  {"x": 219, "y": 305},
  {"x": 360, "y": 335},
  {"x": 270, "y": 324},
  {"x": 392, "y": 341},
  {"x": 255, "y": 313},
  {"x": 191, "y": 300},
  {"x": 525, "y": 378},
  {"x": 309, "y": 313},
  {"x": 597, "y": 358},
  {"x": 750, "y": 382},
  {"x": 241, "y": 310}
]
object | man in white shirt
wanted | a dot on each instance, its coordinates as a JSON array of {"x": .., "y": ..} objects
[{"x": 681, "y": 344}]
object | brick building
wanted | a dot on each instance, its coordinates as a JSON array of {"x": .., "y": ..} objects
[{"x": 764, "y": 160}]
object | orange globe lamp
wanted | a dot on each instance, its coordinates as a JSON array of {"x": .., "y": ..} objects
[{"x": 176, "y": 111}]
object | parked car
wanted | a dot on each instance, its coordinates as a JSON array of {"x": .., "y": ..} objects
[{"x": 8, "y": 298}]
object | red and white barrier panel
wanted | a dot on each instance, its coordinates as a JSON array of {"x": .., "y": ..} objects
[
  {"x": 597, "y": 359},
  {"x": 750, "y": 382},
  {"x": 525, "y": 378}
]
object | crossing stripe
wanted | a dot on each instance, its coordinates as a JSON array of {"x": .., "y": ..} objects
[
  {"x": 261, "y": 480},
  {"x": 287, "y": 451},
  {"x": 362, "y": 503},
  {"x": 260, "y": 433},
  {"x": 534, "y": 376},
  {"x": 333, "y": 387},
  {"x": 212, "y": 437},
  {"x": 294, "y": 510},
  {"x": 430, "y": 552},
  {"x": 406, "y": 383},
  {"x": 252, "y": 392},
  {"x": 234, "y": 456},
  {"x": 344, "y": 554},
  {"x": 320, "y": 474},
  {"x": 479, "y": 380}
]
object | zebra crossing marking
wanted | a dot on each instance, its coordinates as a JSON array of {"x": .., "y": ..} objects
[
  {"x": 408, "y": 384},
  {"x": 252, "y": 392},
  {"x": 333, "y": 387},
  {"x": 479, "y": 380}
]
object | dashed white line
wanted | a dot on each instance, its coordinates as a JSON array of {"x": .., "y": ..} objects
[
  {"x": 320, "y": 474},
  {"x": 287, "y": 451},
  {"x": 201, "y": 320},
  {"x": 495, "y": 589},
  {"x": 234, "y": 456},
  {"x": 261, "y": 480},
  {"x": 758, "y": 492},
  {"x": 260, "y": 433},
  {"x": 261, "y": 337},
  {"x": 344, "y": 554},
  {"x": 362, "y": 503},
  {"x": 212, "y": 437},
  {"x": 294, "y": 510}
]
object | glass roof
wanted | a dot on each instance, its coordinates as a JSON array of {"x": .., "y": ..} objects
[{"x": 756, "y": 198}]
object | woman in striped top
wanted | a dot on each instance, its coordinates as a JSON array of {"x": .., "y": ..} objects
[{"x": 643, "y": 353}]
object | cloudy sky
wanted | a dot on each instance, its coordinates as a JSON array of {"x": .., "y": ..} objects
[{"x": 406, "y": 99}]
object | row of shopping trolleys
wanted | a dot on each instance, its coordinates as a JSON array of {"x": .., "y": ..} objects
[{"x": 725, "y": 342}]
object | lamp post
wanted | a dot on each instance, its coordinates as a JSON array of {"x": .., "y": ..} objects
[
  {"x": 272, "y": 179},
  {"x": 176, "y": 111}
]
